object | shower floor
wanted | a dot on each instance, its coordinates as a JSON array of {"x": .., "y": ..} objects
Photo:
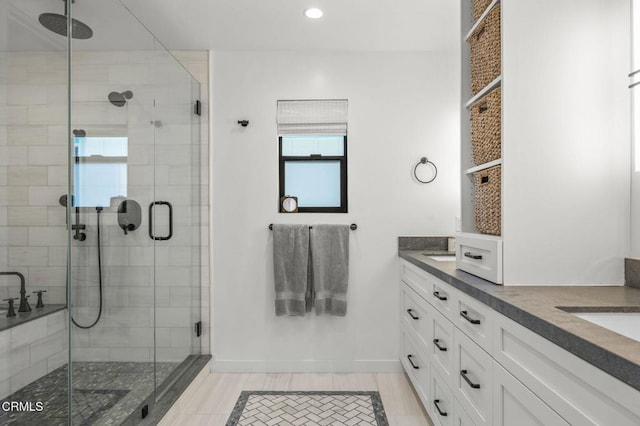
[{"x": 104, "y": 393}]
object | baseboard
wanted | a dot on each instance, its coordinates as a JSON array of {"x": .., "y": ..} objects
[{"x": 306, "y": 366}]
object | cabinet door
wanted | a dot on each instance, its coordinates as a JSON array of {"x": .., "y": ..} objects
[
  {"x": 442, "y": 347},
  {"x": 473, "y": 378},
  {"x": 442, "y": 402},
  {"x": 414, "y": 359},
  {"x": 515, "y": 405},
  {"x": 460, "y": 415}
]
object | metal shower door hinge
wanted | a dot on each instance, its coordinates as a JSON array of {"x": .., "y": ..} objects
[
  {"x": 198, "y": 108},
  {"x": 198, "y": 329}
]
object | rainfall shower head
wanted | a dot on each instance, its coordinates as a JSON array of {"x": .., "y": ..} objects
[
  {"x": 120, "y": 99},
  {"x": 58, "y": 24}
]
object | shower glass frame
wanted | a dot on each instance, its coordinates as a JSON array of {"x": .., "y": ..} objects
[{"x": 161, "y": 126}]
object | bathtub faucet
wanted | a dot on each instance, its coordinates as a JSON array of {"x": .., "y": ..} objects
[{"x": 24, "y": 304}]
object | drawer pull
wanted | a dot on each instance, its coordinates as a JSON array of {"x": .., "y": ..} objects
[
  {"x": 437, "y": 343},
  {"x": 466, "y": 316},
  {"x": 442, "y": 413},
  {"x": 463, "y": 373},
  {"x": 410, "y": 312},
  {"x": 473, "y": 256},
  {"x": 410, "y": 358},
  {"x": 437, "y": 295}
]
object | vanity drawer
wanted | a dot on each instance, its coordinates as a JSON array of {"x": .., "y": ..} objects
[
  {"x": 473, "y": 386},
  {"x": 442, "y": 347},
  {"x": 475, "y": 319},
  {"x": 480, "y": 255},
  {"x": 415, "y": 363},
  {"x": 443, "y": 296},
  {"x": 442, "y": 401},
  {"x": 417, "y": 279},
  {"x": 416, "y": 315}
]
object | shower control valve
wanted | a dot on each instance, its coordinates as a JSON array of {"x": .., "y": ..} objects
[
  {"x": 39, "y": 304},
  {"x": 11, "y": 312}
]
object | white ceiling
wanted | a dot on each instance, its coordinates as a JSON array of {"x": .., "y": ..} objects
[{"x": 347, "y": 25}]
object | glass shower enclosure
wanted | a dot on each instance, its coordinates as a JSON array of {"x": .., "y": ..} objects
[{"x": 99, "y": 214}]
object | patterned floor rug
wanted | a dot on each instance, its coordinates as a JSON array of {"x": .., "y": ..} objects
[{"x": 332, "y": 408}]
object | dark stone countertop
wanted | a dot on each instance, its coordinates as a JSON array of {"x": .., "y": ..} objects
[
  {"x": 23, "y": 317},
  {"x": 538, "y": 308}
]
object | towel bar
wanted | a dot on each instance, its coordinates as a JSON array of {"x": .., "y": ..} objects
[{"x": 353, "y": 227}]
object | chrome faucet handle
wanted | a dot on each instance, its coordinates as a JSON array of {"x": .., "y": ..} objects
[
  {"x": 11, "y": 312},
  {"x": 39, "y": 304}
]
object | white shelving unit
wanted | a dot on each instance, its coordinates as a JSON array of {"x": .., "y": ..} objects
[
  {"x": 565, "y": 144},
  {"x": 468, "y": 101}
]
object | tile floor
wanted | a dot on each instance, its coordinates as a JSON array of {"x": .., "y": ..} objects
[
  {"x": 105, "y": 393},
  {"x": 211, "y": 397}
]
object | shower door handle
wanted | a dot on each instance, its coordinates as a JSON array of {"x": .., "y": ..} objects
[{"x": 151, "y": 234}]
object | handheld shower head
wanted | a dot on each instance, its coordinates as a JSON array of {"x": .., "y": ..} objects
[{"x": 120, "y": 99}]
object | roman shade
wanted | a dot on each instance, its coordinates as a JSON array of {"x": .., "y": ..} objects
[{"x": 312, "y": 117}]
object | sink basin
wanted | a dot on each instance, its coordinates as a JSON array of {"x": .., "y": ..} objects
[
  {"x": 625, "y": 323},
  {"x": 442, "y": 258}
]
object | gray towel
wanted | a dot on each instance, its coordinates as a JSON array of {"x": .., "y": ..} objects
[
  {"x": 290, "y": 268},
  {"x": 330, "y": 266}
]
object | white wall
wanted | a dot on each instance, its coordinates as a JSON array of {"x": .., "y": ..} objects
[
  {"x": 566, "y": 141},
  {"x": 401, "y": 107}
]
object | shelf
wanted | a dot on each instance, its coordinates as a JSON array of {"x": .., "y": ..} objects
[
  {"x": 489, "y": 87},
  {"x": 480, "y": 19},
  {"x": 483, "y": 166}
]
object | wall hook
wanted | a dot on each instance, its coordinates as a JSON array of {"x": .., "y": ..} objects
[{"x": 243, "y": 123}]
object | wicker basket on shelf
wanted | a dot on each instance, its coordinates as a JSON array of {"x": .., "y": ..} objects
[
  {"x": 488, "y": 200},
  {"x": 486, "y": 128},
  {"x": 479, "y": 6},
  {"x": 486, "y": 51}
]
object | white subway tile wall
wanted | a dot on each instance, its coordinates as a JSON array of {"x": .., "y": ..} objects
[
  {"x": 33, "y": 176},
  {"x": 31, "y": 350}
]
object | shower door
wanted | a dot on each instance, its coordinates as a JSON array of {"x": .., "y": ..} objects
[
  {"x": 175, "y": 215},
  {"x": 112, "y": 177},
  {"x": 135, "y": 291}
]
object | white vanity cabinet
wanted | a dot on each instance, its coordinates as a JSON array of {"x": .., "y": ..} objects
[
  {"x": 565, "y": 142},
  {"x": 488, "y": 370}
]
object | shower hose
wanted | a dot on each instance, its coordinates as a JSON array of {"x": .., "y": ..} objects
[{"x": 98, "y": 211}]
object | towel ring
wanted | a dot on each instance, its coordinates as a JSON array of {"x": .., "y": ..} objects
[{"x": 425, "y": 160}]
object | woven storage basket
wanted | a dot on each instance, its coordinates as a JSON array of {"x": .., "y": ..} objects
[
  {"x": 479, "y": 6},
  {"x": 488, "y": 214},
  {"x": 486, "y": 51},
  {"x": 486, "y": 128}
]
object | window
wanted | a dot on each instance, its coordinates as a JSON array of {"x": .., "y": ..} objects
[
  {"x": 314, "y": 169},
  {"x": 100, "y": 171},
  {"x": 313, "y": 154}
]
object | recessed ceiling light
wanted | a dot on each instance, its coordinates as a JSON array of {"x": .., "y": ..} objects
[{"x": 313, "y": 13}]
